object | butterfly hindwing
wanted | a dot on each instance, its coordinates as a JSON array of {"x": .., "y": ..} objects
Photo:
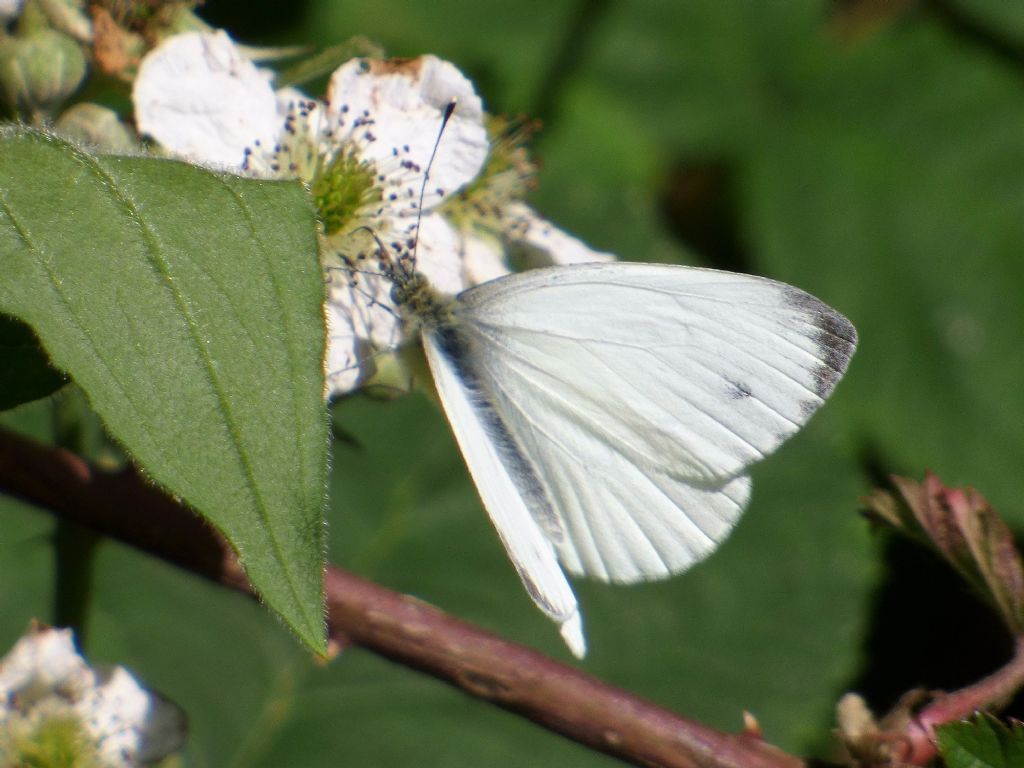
[{"x": 505, "y": 481}]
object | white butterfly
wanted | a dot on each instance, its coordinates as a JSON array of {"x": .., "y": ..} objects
[{"x": 608, "y": 412}]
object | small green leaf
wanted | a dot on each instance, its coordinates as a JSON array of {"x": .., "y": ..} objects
[
  {"x": 325, "y": 61},
  {"x": 983, "y": 742},
  {"x": 188, "y": 307},
  {"x": 27, "y": 372}
]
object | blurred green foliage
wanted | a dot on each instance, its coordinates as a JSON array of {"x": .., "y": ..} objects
[{"x": 874, "y": 160}]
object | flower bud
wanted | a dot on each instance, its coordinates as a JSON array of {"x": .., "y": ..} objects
[
  {"x": 40, "y": 70},
  {"x": 68, "y": 16},
  {"x": 95, "y": 126}
]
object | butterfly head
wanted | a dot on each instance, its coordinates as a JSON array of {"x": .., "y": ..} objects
[{"x": 418, "y": 302}]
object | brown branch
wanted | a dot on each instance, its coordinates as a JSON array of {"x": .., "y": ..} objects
[
  {"x": 562, "y": 699},
  {"x": 907, "y": 736},
  {"x": 917, "y": 745}
]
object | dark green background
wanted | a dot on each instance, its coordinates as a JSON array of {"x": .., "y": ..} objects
[{"x": 874, "y": 160}]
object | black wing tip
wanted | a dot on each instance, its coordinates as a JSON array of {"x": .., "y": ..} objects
[{"x": 836, "y": 338}]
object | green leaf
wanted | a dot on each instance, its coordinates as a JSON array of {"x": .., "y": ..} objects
[
  {"x": 188, "y": 307},
  {"x": 27, "y": 372},
  {"x": 729, "y": 628},
  {"x": 983, "y": 742},
  {"x": 905, "y": 209},
  {"x": 962, "y": 527},
  {"x": 325, "y": 61}
]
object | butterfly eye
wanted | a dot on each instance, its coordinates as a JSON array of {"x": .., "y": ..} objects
[{"x": 399, "y": 294}]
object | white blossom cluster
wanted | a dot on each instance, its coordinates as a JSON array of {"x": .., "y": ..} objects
[
  {"x": 52, "y": 701},
  {"x": 363, "y": 151},
  {"x": 9, "y": 9}
]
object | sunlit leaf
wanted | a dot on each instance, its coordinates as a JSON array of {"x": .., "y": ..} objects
[{"x": 187, "y": 306}]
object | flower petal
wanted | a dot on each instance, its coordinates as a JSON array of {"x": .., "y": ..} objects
[
  {"x": 345, "y": 365},
  {"x": 132, "y": 726},
  {"x": 544, "y": 244},
  {"x": 199, "y": 97},
  {"x": 398, "y": 107},
  {"x": 361, "y": 319},
  {"x": 437, "y": 254},
  {"x": 483, "y": 257},
  {"x": 43, "y": 660}
]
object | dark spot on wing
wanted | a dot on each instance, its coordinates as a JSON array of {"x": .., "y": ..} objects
[
  {"x": 836, "y": 340},
  {"x": 738, "y": 390}
]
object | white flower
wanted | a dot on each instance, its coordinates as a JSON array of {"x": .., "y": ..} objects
[
  {"x": 45, "y": 684},
  {"x": 363, "y": 152},
  {"x": 10, "y": 9},
  {"x": 202, "y": 99}
]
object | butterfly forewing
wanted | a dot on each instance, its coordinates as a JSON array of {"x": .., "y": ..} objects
[{"x": 696, "y": 373}]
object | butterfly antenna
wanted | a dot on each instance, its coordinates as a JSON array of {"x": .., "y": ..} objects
[
  {"x": 448, "y": 111},
  {"x": 386, "y": 265},
  {"x": 383, "y": 257}
]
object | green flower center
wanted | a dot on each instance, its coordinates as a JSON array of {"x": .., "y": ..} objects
[
  {"x": 58, "y": 741},
  {"x": 341, "y": 188}
]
